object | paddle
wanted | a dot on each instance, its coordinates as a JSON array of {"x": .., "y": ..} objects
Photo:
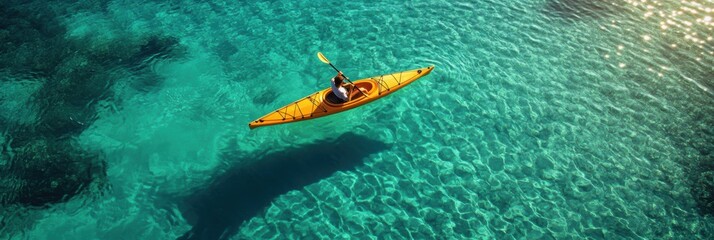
[{"x": 324, "y": 59}]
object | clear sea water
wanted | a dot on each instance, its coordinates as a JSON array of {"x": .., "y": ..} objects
[{"x": 544, "y": 119}]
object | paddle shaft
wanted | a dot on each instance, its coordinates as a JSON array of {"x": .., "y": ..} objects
[{"x": 348, "y": 79}]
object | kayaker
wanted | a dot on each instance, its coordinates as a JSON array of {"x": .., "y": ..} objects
[{"x": 338, "y": 86}]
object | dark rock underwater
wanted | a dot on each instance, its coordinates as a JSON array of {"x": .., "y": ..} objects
[{"x": 41, "y": 162}]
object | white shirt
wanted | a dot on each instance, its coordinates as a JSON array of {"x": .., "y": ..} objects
[{"x": 340, "y": 92}]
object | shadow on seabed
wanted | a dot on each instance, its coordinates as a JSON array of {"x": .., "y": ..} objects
[{"x": 242, "y": 192}]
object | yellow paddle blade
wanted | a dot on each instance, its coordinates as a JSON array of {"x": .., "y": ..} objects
[{"x": 322, "y": 58}]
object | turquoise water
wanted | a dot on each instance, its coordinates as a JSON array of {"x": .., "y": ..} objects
[{"x": 547, "y": 119}]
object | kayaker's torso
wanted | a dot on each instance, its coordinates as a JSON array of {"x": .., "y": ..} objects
[{"x": 340, "y": 91}]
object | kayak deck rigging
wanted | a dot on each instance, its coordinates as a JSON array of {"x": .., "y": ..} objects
[{"x": 315, "y": 104}]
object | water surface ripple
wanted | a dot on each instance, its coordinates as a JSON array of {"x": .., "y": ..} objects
[{"x": 544, "y": 119}]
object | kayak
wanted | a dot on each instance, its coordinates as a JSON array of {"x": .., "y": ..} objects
[{"x": 324, "y": 102}]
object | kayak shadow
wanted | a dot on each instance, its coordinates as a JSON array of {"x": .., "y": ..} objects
[{"x": 244, "y": 191}]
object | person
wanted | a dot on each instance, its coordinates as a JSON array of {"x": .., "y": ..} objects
[
  {"x": 342, "y": 90},
  {"x": 338, "y": 86}
]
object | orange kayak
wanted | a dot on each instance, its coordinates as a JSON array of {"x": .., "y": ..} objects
[{"x": 324, "y": 102}]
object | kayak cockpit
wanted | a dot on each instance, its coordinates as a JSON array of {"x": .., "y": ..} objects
[{"x": 332, "y": 99}]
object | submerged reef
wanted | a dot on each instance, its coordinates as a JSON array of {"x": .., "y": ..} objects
[
  {"x": 47, "y": 171},
  {"x": 245, "y": 190},
  {"x": 40, "y": 162}
]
